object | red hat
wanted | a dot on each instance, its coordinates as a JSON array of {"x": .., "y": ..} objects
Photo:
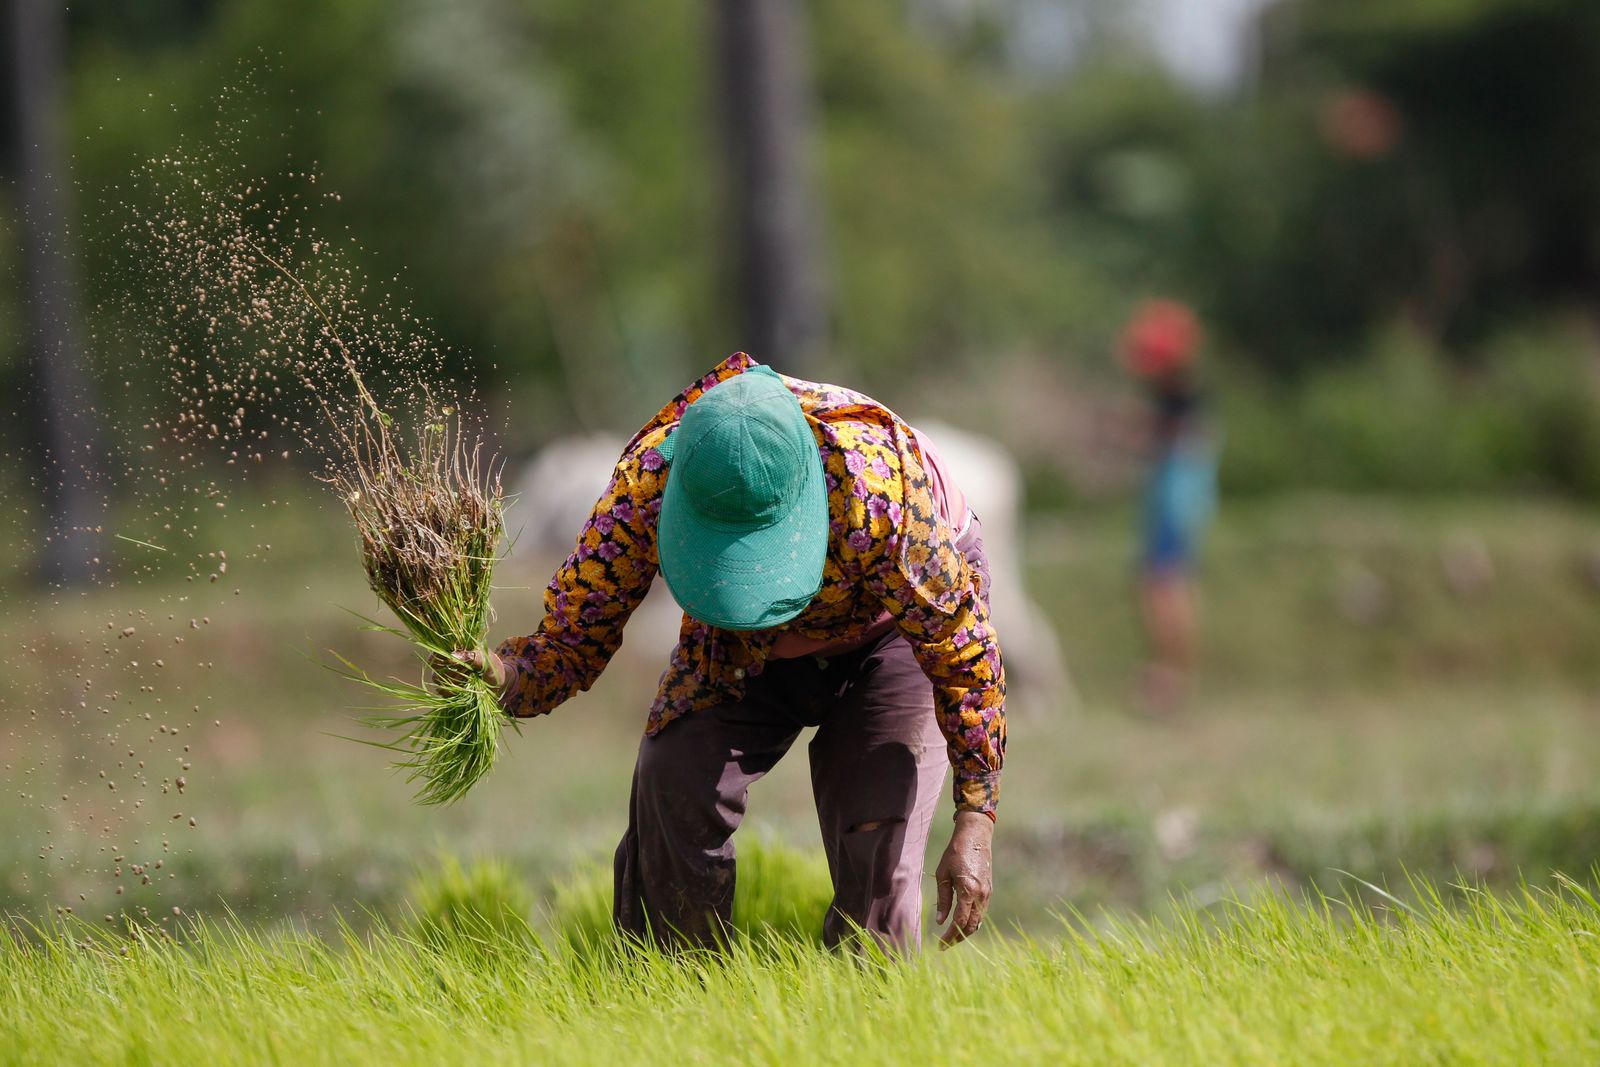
[{"x": 1161, "y": 336}]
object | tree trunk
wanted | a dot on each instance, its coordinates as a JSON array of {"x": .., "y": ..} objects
[
  {"x": 764, "y": 96},
  {"x": 58, "y": 399}
]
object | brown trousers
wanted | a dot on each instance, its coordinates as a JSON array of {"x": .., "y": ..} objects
[{"x": 878, "y": 764}]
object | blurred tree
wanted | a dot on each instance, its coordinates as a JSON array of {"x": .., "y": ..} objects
[
  {"x": 534, "y": 178},
  {"x": 938, "y": 219},
  {"x": 1431, "y": 161},
  {"x": 1499, "y": 102},
  {"x": 763, "y": 92},
  {"x": 60, "y": 407},
  {"x": 547, "y": 184}
]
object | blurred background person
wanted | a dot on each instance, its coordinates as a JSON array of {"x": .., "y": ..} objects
[{"x": 1180, "y": 493}]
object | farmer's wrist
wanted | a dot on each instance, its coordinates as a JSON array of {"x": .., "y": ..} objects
[
  {"x": 505, "y": 676},
  {"x": 501, "y": 660}
]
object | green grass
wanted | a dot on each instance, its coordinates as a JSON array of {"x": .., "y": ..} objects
[
  {"x": 781, "y": 892},
  {"x": 454, "y": 904},
  {"x": 1332, "y": 593},
  {"x": 1487, "y": 980}
]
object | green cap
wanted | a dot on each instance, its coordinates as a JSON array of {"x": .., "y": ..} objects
[{"x": 743, "y": 530}]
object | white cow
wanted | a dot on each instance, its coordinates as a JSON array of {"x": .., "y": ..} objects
[{"x": 1036, "y": 672}]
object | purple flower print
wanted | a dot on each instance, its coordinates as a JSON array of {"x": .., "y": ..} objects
[{"x": 878, "y": 557}]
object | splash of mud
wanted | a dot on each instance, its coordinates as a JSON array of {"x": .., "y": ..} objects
[{"x": 271, "y": 348}]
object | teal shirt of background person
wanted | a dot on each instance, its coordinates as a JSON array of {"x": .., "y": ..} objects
[{"x": 1180, "y": 495}]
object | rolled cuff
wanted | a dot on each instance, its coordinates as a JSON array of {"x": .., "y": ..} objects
[{"x": 980, "y": 793}]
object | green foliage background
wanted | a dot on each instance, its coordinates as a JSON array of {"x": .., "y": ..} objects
[{"x": 542, "y": 177}]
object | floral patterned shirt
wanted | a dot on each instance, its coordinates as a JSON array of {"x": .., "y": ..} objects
[{"x": 890, "y": 551}]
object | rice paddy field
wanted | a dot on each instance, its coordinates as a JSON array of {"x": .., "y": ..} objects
[
  {"x": 1371, "y": 838},
  {"x": 1484, "y": 981}
]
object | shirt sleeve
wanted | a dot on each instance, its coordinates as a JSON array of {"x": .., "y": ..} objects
[
  {"x": 940, "y": 603},
  {"x": 593, "y": 594}
]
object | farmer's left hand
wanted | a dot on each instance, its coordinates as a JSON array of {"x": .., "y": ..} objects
[{"x": 965, "y": 877}]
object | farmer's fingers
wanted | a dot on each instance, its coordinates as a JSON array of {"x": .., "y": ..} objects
[
  {"x": 955, "y": 933},
  {"x": 980, "y": 906},
  {"x": 485, "y": 665},
  {"x": 460, "y": 667},
  {"x": 942, "y": 909},
  {"x": 968, "y": 912},
  {"x": 445, "y": 669}
]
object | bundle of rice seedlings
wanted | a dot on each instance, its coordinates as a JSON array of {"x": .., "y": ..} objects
[
  {"x": 429, "y": 525},
  {"x": 429, "y": 519}
]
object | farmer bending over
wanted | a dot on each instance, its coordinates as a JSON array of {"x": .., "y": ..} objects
[{"x": 831, "y": 576}]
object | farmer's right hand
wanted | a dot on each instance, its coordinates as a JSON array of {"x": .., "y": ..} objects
[{"x": 486, "y": 665}]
